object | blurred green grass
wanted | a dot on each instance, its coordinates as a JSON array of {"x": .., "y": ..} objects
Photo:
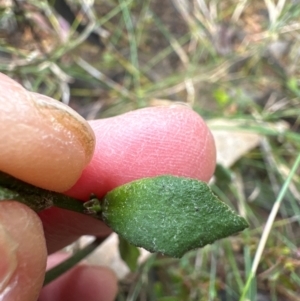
[{"x": 230, "y": 60}]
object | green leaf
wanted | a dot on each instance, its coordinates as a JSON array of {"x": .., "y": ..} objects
[
  {"x": 170, "y": 215},
  {"x": 129, "y": 253}
]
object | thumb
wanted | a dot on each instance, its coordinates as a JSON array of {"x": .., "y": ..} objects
[{"x": 22, "y": 251}]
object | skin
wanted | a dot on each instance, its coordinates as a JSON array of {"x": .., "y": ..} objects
[{"x": 46, "y": 144}]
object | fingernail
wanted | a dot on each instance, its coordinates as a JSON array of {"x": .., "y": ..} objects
[
  {"x": 8, "y": 261},
  {"x": 62, "y": 115}
]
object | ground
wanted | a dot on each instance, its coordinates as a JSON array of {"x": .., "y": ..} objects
[{"x": 227, "y": 59}]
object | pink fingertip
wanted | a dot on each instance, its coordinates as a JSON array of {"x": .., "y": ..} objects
[{"x": 147, "y": 143}]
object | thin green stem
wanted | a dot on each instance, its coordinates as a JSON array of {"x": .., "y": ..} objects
[
  {"x": 40, "y": 199},
  {"x": 268, "y": 227}
]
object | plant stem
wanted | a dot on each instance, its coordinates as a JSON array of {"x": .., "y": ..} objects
[
  {"x": 40, "y": 199},
  {"x": 71, "y": 262}
]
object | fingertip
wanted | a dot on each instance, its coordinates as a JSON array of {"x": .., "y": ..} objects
[
  {"x": 102, "y": 281},
  {"x": 24, "y": 265},
  {"x": 145, "y": 143},
  {"x": 42, "y": 141},
  {"x": 83, "y": 282},
  {"x": 63, "y": 227}
]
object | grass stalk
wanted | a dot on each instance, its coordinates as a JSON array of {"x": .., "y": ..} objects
[{"x": 268, "y": 227}]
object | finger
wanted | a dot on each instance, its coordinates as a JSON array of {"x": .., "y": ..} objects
[
  {"x": 42, "y": 141},
  {"x": 63, "y": 227},
  {"x": 22, "y": 252},
  {"x": 146, "y": 143},
  {"x": 83, "y": 282},
  {"x": 139, "y": 144}
]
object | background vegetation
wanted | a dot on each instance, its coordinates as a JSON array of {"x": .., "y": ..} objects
[{"x": 235, "y": 60}]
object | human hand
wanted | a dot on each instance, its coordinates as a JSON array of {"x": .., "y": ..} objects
[{"x": 50, "y": 147}]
